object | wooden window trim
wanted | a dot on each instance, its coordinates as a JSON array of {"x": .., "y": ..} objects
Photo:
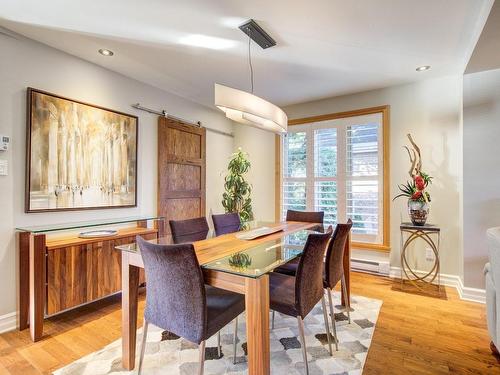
[{"x": 385, "y": 111}]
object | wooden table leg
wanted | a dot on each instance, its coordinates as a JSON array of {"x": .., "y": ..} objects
[
  {"x": 257, "y": 310},
  {"x": 36, "y": 285},
  {"x": 347, "y": 271},
  {"x": 130, "y": 292}
]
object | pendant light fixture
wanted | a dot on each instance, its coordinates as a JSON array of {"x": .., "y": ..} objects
[{"x": 245, "y": 107}]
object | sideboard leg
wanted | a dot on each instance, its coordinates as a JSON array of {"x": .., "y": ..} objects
[
  {"x": 24, "y": 282},
  {"x": 37, "y": 285}
]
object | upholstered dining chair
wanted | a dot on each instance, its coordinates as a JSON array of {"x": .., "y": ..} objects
[
  {"x": 226, "y": 223},
  {"x": 177, "y": 299},
  {"x": 190, "y": 230},
  {"x": 333, "y": 271},
  {"x": 297, "y": 296},
  {"x": 307, "y": 217}
]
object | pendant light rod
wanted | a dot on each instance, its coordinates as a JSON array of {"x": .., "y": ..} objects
[{"x": 250, "y": 58}]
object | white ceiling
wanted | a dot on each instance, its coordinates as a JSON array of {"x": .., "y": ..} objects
[{"x": 325, "y": 47}]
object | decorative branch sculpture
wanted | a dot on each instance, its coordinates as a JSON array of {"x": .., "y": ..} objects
[{"x": 415, "y": 158}]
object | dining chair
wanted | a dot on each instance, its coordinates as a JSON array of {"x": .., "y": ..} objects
[
  {"x": 189, "y": 230},
  {"x": 177, "y": 299},
  {"x": 333, "y": 269},
  {"x": 297, "y": 296},
  {"x": 226, "y": 223},
  {"x": 307, "y": 217}
]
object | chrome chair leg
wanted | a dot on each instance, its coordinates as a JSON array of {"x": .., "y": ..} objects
[
  {"x": 272, "y": 320},
  {"x": 303, "y": 342},
  {"x": 332, "y": 314},
  {"x": 327, "y": 325},
  {"x": 235, "y": 339},
  {"x": 202, "y": 358},
  {"x": 218, "y": 344},
  {"x": 143, "y": 345},
  {"x": 348, "y": 302}
]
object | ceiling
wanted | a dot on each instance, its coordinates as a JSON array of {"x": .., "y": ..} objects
[
  {"x": 325, "y": 47},
  {"x": 486, "y": 55}
]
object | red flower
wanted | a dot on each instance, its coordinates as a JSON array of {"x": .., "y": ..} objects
[
  {"x": 416, "y": 195},
  {"x": 419, "y": 182}
]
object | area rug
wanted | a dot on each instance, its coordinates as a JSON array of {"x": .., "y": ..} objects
[{"x": 167, "y": 354}]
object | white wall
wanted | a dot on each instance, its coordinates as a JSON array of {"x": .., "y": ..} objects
[
  {"x": 481, "y": 169},
  {"x": 431, "y": 111},
  {"x": 26, "y": 63},
  {"x": 259, "y": 144}
]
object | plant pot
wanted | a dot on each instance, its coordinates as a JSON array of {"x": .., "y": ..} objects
[{"x": 418, "y": 212}]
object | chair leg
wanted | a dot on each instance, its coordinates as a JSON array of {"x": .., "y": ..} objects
[
  {"x": 303, "y": 342},
  {"x": 235, "y": 339},
  {"x": 327, "y": 325},
  {"x": 143, "y": 345},
  {"x": 272, "y": 320},
  {"x": 202, "y": 357},
  {"x": 348, "y": 302},
  {"x": 218, "y": 344},
  {"x": 332, "y": 314}
]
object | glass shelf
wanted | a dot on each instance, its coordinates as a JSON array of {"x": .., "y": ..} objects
[{"x": 84, "y": 224}]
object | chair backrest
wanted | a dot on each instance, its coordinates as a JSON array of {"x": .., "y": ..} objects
[
  {"x": 334, "y": 261},
  {"x": 226, "y": 223},
  {"x": 175, "y": 290},
  {"x": 309, "y": 276},
  {"x": 305, "y": 216},
  {"x": 190, "y": 230}
]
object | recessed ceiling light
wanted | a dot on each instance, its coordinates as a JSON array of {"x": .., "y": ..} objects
[
  {"x": 198, "y": 40},
  {"x": 423, "y": 68},
  {"x": 106, "y": 52}
]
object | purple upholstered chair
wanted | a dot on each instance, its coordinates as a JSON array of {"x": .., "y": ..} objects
[
  {"x": 305, "y": 216},
  {"x": 177, "y": 299},
  {"x": 226, "y": 223},
  {"x": 333, "y": 271},
  {"x": 184, "y": 231},
  {"x": 297, "y": 296}
]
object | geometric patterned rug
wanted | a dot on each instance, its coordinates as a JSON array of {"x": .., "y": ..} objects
[{"x": 167, "y": 354}]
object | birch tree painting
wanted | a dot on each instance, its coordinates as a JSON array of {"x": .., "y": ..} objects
[{"x": 79, "y": 156}]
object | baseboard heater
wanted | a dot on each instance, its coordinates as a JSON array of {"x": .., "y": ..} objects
[{"x": 370, "y": 266}]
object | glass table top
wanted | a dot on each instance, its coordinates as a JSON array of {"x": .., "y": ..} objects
[
  {"x": 255, "y": 261},
  {"x": 84, "y": 224},
  {"x": 262, "y": 258}
]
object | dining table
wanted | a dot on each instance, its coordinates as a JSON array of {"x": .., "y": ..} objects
[{"x": 232, "y": 263}]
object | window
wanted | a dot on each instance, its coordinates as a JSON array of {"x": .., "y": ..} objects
[{"x": 336, "y": 164}]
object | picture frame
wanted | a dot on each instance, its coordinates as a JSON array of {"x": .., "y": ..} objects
[{"x": 79, "y": 156}]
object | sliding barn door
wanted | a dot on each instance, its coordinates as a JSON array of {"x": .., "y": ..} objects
[{"x": 181, "y": 171}]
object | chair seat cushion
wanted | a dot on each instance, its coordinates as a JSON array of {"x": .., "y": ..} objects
[
  {"x": 222, "y": 307},
  {"x": 289, "y": 268},
  {"x": 282, "y": 293}
]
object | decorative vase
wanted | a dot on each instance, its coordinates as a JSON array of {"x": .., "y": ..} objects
[{"x": 418, "y": 212}]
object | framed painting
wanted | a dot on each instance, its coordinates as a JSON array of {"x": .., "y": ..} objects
[{"x": 79, "y": 155}]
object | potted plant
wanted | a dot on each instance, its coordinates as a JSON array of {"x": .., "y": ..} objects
[
  {"x": 236, "y": 197},
  {"x": 415, "y": 190}
]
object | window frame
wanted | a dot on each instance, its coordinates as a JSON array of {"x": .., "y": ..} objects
[{"x": 385, "y": 112}]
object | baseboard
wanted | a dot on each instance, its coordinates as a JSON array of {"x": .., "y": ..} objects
[
  {"x": 454, "y": 281},
  {"x": 8, "y": 322}
]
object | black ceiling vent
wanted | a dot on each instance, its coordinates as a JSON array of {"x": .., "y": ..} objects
[{"x": 257, "y": 34}]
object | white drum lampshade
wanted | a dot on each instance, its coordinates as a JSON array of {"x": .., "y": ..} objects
[{"x": 248, "y": 109}]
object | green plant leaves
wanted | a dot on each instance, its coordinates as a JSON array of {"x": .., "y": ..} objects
[{"x": 236, "y": 197}]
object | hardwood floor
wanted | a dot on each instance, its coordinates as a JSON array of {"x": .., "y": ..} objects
[{"x": 415, "y": 334}]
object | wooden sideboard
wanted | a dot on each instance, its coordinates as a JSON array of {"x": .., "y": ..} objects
[{"x": 61, "y": 273}]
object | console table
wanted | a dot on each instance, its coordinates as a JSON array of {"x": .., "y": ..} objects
[
  {"x": 431, "y": 235},
  {"x": 61, "y": 272}
]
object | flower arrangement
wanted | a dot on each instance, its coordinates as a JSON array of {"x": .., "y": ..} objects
[{"x": 416, "y": 189}]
